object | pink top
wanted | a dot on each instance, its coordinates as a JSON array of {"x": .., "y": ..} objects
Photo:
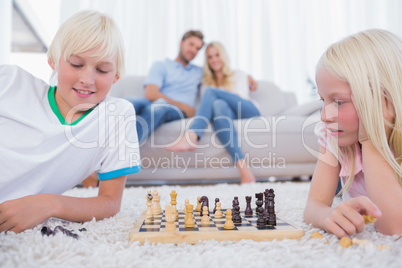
[{"x": 358, "y": 187}]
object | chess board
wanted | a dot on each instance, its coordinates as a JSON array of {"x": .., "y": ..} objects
[{"x": 155, "y": 232}]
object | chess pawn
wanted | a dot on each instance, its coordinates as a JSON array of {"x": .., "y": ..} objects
[
  {"x": 170, "y": 216},
  {"x": 205, "y": 217},
  {"x": 261, "y": 221},
  {"x": 218, "y": 213},
  {"x": 216, "y": 201},
  {"x": 204, "y": 202},
  {"x": 198, "y": 207},
  {"x": 189, "y": 221},
  {"x": 149, "y": 217},
  {"x": 236, "y": 218},
  {"x": 229, "y": 225}
]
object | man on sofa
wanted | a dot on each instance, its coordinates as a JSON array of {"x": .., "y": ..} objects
[{"x": 170, "y": 88}]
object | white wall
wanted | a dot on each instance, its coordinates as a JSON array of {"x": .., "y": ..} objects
[{"x": 277, "y": 40}]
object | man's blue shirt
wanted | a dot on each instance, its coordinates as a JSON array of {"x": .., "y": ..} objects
[{"x": 175, "y": 81}]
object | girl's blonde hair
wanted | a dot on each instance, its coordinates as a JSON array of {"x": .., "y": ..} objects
[
  {"x": 84, "y": 31},
  {"x": 371, "y": 62},
  {"x": 209, "y": 78}
]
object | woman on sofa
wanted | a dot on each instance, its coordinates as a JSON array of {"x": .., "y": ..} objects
[{"x": 225, "y": 98}]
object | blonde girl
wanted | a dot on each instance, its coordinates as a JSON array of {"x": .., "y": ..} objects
[{"x": 359, "y": 80}]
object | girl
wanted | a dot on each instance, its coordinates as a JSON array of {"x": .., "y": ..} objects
[
  {"x": 226, "y": 98},
  {"x": 360, "y": 81}
]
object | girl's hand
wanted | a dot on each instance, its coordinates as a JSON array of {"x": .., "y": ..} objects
[{"x": 346, "y": 219}]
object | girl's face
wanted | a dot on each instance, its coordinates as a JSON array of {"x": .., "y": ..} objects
[
  {"x": 338, "y": 113},
  {"x": 214, "y": 59},
  {"x": 83, "y": 81}
]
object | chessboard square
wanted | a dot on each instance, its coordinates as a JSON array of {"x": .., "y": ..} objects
[
  {"x": 149, "y": 230},
  {"x": 151, "y": 224},
  {"x": 243, "y": 224},
  {"x": 208, "y": 229},
  {"x": 211, "y": 224},
  {"x": 266, "y": 227},
  {"x": 223, "y": 229},
  {"x": 194, "y": 229}
]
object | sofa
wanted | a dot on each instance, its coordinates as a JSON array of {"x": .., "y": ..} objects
[{"x": 279, "y": 143}]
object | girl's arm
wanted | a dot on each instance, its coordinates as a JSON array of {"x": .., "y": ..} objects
[
  {"x": 343, "y": 220},
  {"x": 27, "y": 212},
  {"x": 322, "y": 189},
  {"x": 383, "y": 189}
]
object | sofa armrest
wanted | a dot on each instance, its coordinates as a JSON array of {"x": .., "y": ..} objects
[
  {"x": 128, "y": 87},
  {"x": 305, "y": 109}
]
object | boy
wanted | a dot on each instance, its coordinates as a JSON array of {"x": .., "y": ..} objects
[{"x": 53, "y": 137}]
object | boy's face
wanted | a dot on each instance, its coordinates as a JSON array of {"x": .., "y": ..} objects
[{"x": 83, "y": 81}]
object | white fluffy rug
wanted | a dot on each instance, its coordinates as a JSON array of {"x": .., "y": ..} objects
[{"x": 105, "y": 243}]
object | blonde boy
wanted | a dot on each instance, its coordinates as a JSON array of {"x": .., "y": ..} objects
[{"x": 54, "y": 137}]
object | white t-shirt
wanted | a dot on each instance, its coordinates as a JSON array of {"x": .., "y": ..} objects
[{"x": 39, "y": 154}]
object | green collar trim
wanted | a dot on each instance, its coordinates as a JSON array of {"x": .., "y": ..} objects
[{"x": 56, "y": 111}]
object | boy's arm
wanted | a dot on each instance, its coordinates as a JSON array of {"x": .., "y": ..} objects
[
  {"x": 383, "y": 189},
  {"x": 152, "y": 92},
  {"x": 27, "y": 212}
]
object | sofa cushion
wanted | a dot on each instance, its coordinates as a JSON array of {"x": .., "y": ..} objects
[{"x": 270, "y": 98}]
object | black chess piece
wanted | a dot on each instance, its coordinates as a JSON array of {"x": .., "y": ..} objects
[
  {"x": 271, "y": 208},
  {"x": 235, "y": 202},
  {"x": 216, "y": 201},
  {"x": 236, "y": 218},
  {"x": 205, "y": 202},
  {"x": 261, "y": 221},
  {"x": 266, "y": 201},
  {"x": 248, "y": 211},
  {"x": 259, "y": 202}
]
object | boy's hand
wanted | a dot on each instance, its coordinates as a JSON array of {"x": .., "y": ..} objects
[
  {"x": 346, "y": 219},
  {"x": 24, "y": 213}
]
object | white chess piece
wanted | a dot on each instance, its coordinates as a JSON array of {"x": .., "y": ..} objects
[
  {"x": 189, "y": 221},
  {"x": 156, "y": 209},
  {"x": 148, "y": 214},
  {"x": 205, "y": 217},
  {"x": 218, "y": 213},
  {"x": 186, "y": 202},
  {"x": 170, "y": 216}
]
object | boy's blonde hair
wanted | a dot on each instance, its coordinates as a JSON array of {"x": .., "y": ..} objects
[
  {"x": 84, "y": 31},
  {"x": 208, "y": 78},
  {"x": 371, "y": 63}
]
